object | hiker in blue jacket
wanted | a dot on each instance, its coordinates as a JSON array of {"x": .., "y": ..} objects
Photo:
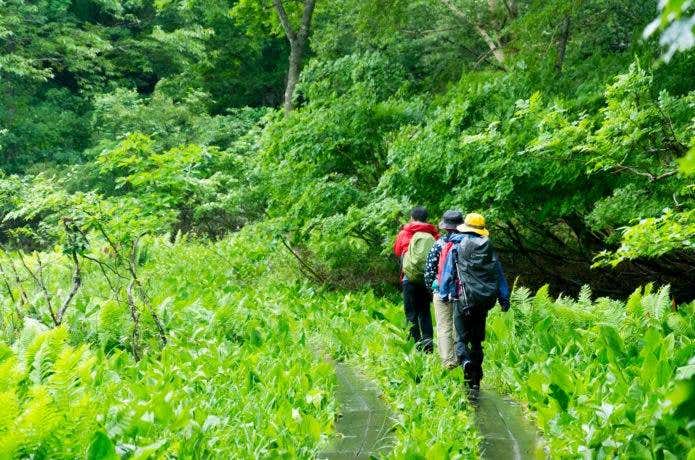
[
  {"x": 443, "y": 311},
  {"x": 473, "y": 279}
]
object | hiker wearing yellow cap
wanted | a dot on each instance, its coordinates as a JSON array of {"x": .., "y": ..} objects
[
  {"x": 474, "y": 223},
  {"x": 473, "y": 280}
]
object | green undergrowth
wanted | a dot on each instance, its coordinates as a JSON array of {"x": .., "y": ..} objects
[
  {"x": 603, "y": 378},
  {"x": 236, "y": 380},
  {"x": 434, "y": 418},
  {"x": 243, "y": 374}
]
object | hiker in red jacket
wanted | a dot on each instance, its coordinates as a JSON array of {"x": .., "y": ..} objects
[{"x": 416, "y": 297}]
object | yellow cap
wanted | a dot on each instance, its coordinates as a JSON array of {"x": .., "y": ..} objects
[{"x": 475, "y": 223}]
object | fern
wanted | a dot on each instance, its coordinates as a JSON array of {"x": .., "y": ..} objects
[
  {"x": 10, "y": 409},
  {"x": 71, "y": 373},
  {"x": 634, "y": 304},
  {"x": 42, "y": 353},
  {"x": 112, "y": 324},
  {"x": 657, "y": 304},
  {"x": 584, "y": 298},
  {"x": 32, "y": 328},
  {"x": 10, "y": 374},
  {"x": 521, "y": 299},
  {"x": 38, "y": 420},
  {"x": 678, "y": 324}
]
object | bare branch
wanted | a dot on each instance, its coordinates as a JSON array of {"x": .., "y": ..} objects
[
  {"x": 7, "y": 284},
  {"x": 487, "y": 38},
  {"x": 135, "y": 282},
  {"x": 511, "y": 7},
  {"x": 303, "y": 265},
  {"x": 648, "y": 175},
  {"x": 22, "y": 293},
  {"x": 135, "y": 316},
  {"x": 562, "y": 43},
  {"x": 285, "y": 21},
  {"x": 76, "y": 283},
  {"x": 40, "y": 282},
  {"x": 305, "y": 27}
]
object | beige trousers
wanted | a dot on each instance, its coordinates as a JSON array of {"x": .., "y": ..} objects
[{"x": 444, "y": 313}]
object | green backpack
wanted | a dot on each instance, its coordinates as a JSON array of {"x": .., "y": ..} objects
[{"x": 415, "y": 257}]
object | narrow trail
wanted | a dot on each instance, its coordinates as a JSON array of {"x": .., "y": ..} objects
[
  {"x": 506, "y": 431},
  {"x": 364, "y": 427}
]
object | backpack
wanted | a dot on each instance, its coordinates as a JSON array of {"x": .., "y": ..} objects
[
  {"x": 476, "y": 268},
  {"x": 446, "y": 249},
  {"x": 415, "y": 257}
]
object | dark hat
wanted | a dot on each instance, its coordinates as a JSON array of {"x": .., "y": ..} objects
[{"x": 451, "y": 220}]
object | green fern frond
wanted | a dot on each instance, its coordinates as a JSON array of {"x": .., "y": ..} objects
[
  {"x": 10, "y": 374},
  {"x": 44, "y": 347},
  {"x": 657, "y": 304},
  {"x": 10, "y": 442},
  {"x": 584, "y": 298},
  {"x": 38, "y": 420},
  {"x": 678, "y": 324},
  {"x": 569, "y": 316},
  {"x": 112, "y": 324},
  {"x": 5, "y": 352},
  {"x": 634, "y": 304},
  {"x": 71, "y": 375},
  {"x": 10, "y": 409},
  {"x": 610, "y": 310},
  {"x": 32, "y": 329}
]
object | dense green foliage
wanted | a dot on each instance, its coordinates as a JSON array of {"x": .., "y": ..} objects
[
  {"x": 607, "y": 377},
  {"x": 136, "y": 136},
  {"x": 244, "y": 331},
  {"x": 556, "y": 119},
  {"x": 238, "y": 338}
]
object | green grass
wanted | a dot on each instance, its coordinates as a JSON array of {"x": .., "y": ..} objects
[{"x": 245, "y": 372}]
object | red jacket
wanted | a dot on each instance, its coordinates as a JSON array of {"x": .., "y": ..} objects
[{"x": 407, "y": 232}]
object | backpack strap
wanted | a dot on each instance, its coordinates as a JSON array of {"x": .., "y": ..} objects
[{"x": 442, "y": 260}]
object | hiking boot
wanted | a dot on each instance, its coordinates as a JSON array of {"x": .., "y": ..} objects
[
  {"x": 467, "y": 367},
  {"x": 474, "y": 394},
  {"x": 426, "y": 346}
]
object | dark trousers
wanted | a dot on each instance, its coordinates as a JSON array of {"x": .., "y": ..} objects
[
  {"x": 416, "y": 300},
  {"x": 470, "y": 332}
]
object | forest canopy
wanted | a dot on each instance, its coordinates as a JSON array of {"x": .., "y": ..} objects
[{"x": 570, "y": 124}]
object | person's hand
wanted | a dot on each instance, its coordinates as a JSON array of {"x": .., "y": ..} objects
[{"x": 504, "y": 305}]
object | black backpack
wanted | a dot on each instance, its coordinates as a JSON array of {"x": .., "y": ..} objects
[{"x": 477, "y": 272}]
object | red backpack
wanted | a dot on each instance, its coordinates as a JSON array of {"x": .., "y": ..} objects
[{"x": 442, "y": 260}]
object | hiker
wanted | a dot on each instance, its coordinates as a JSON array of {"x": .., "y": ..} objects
[
  {"x": 472, "y": 278},
  {"x": 412, "y": 245},
  {"x": 443, "y": 311}
]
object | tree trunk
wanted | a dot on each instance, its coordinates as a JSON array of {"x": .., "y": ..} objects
[
  {"x": 292, "y": 76},
  {"x": 494, "y": 47},
  {"x": 512, "y": 9},
  {"x": 562, "y": 43},
  {"x": 298, "y": 40}
]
